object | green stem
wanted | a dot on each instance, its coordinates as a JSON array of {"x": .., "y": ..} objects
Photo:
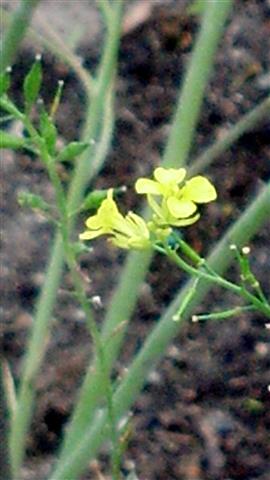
[
  {"x": 16, "y": 31},
  {"x": 244, "y": 125},
  {"x": 216, "y": 279},
  {"x": 83, "y": 300},
  {"x": 4, "y": 420},
  {"x": 197, "y": 78},
  {"x": 50, "y": 40},
  {"x": 137, "y": 264},
  {"x": 37, "y": 344},
  {"x": 156, "y": 343}
]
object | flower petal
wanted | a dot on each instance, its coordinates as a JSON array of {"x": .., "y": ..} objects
[
  {"x": 93, "y": 222},
  {"x": 169, "y": 175},
  {"x": 138, "y": 224},
  {"x": 186, "y": 221},
  {"x": 199, "y": 189},
  {"x": 144, "y": 185},
  {"x": 89, "y": 235},
  {"x": 181, "y": 208}
]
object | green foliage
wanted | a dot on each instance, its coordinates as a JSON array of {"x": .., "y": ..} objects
[
  {"x": 86, "y": 432},
  {"x": 7, "y": 105},
  {"x": 4, "y": 82},
  {"x": 48, "y": 131},
  {"x": 197, "y": 7},
  {"x": 71, "y": 151},
  {"x": 30, "y": 200},
  {"x": 32, "y": 84},
  {"x": 7, "y": 140}
]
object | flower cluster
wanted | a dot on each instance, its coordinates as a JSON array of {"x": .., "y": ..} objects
[{"x": 173, "y": 202}]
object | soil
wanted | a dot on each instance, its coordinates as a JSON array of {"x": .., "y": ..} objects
[{"x": 204, "y": 412}]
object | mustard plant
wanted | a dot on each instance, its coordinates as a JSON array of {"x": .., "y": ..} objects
[{"x": 174, "y": 200}]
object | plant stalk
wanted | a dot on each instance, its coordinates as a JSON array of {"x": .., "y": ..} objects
[
  {"x": 16, "y": 31},
  {"x": 255, "y": 216},
  {"x": 137, "y": 264},
  {"x": 46, "y": 301},
  {"x": 196, "y": 80}
]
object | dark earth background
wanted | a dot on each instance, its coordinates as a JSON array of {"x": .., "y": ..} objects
[{"x": 204, "y": 412}]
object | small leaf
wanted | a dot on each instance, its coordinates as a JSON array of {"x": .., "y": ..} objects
[
  {"x": 71, "y": 151},
  {"x": 32, "y": 83},
  {"x": 27, "y": 199},
  {"x": 197, "y": 7},
  {"x": 4, "y": 82},
  {"x": 7, "y": 140},
  {"x": 79, "y": 248},
  {"x": 93, "y": 200},
  {"x": 48, "y": 131},
  {"x": 7, "y": 105}
]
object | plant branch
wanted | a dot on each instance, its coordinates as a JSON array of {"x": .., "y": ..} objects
[
  {"x": 16, "y": 31},
  {"x": 37, "y": 344},
  {"x": 137, "y": 264},
  {"x": 195, "y": 82},
  {"x": 156, "y": 343},
  {"x": 244, "y": 125}
]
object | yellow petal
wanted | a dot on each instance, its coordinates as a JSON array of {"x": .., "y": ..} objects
[
  {"x": 89, "y": 235},
  {"x": 180, "y": 208},
  {"x": 186, "y": 221},
  {"x": 144, "y": 185},
  {"x": 199, "y": 190},
  {"x": 138, "y": 224},
  {"x": 154, "y": 205},
  {"x": 93, "y": 222},
  {"x": 169, "y": 175}
]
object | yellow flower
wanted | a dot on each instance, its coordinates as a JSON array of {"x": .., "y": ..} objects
[
  {"x": 102, "y": 223},
  {"x": 178, "y": 206},
  {"x": 166, "y": 182},
  {"x": 131, "y": 232},
  {"x": 125, "y": 232}
]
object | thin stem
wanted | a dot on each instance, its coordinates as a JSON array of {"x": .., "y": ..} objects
[
  {"x": 50, "y": 40},
  {"x": 83, "y": 300},
  {"x": 244, "y": 125},
  {"x": 137, "y": 264},
  {"x": 196, "y": 79},
  {"x": 16, "y": 31},
  {"x": 57, "y": 45},
  {"x": 37, "y": 345},
  {"x": 4, "y": 419},
  {"x": 106, "y": 10},
  {"x": 156, "y": 343},
  {"x": 216, "y": 279},
  {"x": 77, "y": 282}
]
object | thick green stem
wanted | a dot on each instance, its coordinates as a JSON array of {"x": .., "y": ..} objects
[
  {"x": 156, "y": 343},
  {"x": 16, "y": 31},
  {"x": 37, "y": 343},
  {"x": 192, "y": 93},
  {"x": 137, "y": 264}
]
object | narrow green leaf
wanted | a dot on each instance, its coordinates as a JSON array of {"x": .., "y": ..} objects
[
  {"x": 7, "y": 140},
  {"x": 93, "y": 200},
  {"x": 71, "y": 151},
  {"x": 48, "y": 131},
  {"x": 27, "y": 199},
  {"x": 4, "y": 82},
  {"x": 32, "y": 83},
  {"x": 7, "y": 105}
]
